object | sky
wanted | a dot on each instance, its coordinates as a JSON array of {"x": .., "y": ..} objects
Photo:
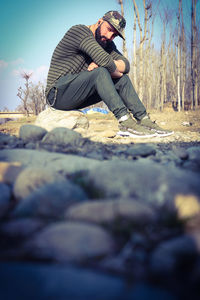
[{"x": 31, "y": 29}]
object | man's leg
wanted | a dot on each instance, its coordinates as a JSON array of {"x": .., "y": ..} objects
[
  {"x": 129, "y": 96},
  {"x": 74, "y": 91}
]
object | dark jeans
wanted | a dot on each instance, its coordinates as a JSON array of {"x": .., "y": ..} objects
[{"x": 76, "y": 91}]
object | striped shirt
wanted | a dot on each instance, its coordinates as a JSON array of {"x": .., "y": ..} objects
[{"x": 77, "y": 49}]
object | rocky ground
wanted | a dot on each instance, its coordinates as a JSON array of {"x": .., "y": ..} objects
[{"x": 87, "y": 214}]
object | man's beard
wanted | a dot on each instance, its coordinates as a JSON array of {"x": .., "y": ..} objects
[{"x": 99, "y": 37}]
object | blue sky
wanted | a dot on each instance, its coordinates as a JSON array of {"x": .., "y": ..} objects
[{"x": 31, "y": 29}]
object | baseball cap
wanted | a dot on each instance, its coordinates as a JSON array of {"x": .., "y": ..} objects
[{"x": 117, "y": 21}]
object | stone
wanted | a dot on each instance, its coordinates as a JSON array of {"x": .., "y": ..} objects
[
  {"x": 31, "y": 179},
  {"x": 188, "y": 206},
  {"x": 194, "y": 153},
  {"x": 21, "y": 228},
  {"x": 61, "y": 163},
  {"x": 9, "y": 171},
  {"x": 141, "y": 179},
  {"x": 5, "y": 195},
  {"x": 49, "y": 201},
  {"x": 29, "y": 132},
  {"x": 171, "y": 254},
  {"x": 6, "y": 139},
  {"x": 62, "y": 136},
  {"x": 106, "y": 212},
  {"x": 70, "y": 242},
  {"x": 142, "y": 150},
  {"x": 51, "y": 118},
  {"x": 41, "y": 281}
]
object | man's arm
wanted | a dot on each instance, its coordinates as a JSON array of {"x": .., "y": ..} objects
[
  {"x": 117, "y": 73},
  {"x": 120, "y": 64}
]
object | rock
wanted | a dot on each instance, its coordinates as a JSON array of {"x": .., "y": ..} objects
[
  {"x": 31, "y": 179},
  {"x": 44, "y": 282},
  {"x": 170, "y": 255},
  {"x": 187, "y": 206},
  {"x": 142, "y": 150},
  {"x": 50, "y": 201},
  {"x": 70, "y": 242},
  {"x": 57, "y": 162},
  {"x": 194, "y": 153},
  {"x": 8, "y": 140},
  {"x": 9, "y": 171},
  {"x": 30, "y": 133},
  {"x": 107, "y": 211},
  {"x": 51, "y": 118},
  {"x": 193, "y": 162},
  {"x": 5, "y": 195},
  {"x": 62, "y": 136},
  {"x": 92, "y": 211},
  {"x": 21, "y": 228},
  {"x": 141, "y": 179}
]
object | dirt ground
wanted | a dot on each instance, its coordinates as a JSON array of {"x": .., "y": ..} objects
[
  {"x": 186, "y": 127},
  {"x": 103, "y": 128}
]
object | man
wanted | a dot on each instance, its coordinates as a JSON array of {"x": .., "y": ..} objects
[{"x": 86, "y": 67}]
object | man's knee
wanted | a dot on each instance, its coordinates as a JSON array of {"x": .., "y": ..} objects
[
  {"x": 101, "y": 73},
  {"x": 125, "y": 78}
]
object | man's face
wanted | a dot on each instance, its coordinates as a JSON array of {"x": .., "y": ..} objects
[{"x": 105, "y": 32}]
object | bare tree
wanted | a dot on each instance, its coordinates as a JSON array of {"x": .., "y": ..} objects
[
  {"x": 125, "y": 53},
  {"x": 134, "y": 52},
  {"x": 37, "y": 100},
  {"x": 32, "y": 96},
  {"x": 143, "y": 34},
  {"x": 183, "y": 58},
  {"x": 179, "y": 57},
  {"x": 23, "y": 94},
  {"x": 194, "y": 71}
]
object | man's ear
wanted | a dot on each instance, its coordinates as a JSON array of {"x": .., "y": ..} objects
[{"x": 100, "y": 21}]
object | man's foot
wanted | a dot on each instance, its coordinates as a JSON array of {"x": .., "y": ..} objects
[
  {"x": 128, "y": 127},
  {"x": 148, "y": 124}
]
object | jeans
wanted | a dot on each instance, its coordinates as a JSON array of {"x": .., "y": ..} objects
[{"x": 76, "y": 91}]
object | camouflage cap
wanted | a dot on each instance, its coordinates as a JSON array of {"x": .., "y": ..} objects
[{"x": 117, "y": 21}]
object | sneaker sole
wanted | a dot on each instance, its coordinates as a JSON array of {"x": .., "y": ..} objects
[
  {"x": 164, "y": 134},
  {"x": 129, "y": 134}
]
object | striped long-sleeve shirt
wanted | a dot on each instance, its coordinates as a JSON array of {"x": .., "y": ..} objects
[{"x": 77, "y": 49}]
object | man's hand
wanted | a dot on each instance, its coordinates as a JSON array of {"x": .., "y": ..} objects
[
  {"x": 116, "y": 74},
  {"x": 120, "y": 65},
  {"x": 92, "y": 66}
]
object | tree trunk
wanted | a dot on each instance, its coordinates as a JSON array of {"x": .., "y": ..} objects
[
  {"x": 179, "y": 59},
  {"x": 125, "y": 53},
  {"x": 142, "y": 40},
  {"x": 134, "y": 53}
]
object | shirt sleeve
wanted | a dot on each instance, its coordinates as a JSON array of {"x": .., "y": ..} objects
[
  {"x": 103, "y": 59},
  {"x": 118, "y": 56}
]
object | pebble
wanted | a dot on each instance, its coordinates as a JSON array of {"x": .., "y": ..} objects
[{"x": 71, "y": 242}]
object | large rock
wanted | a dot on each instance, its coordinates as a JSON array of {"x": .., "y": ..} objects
[
  {"x": 57, "y": 162},
  {"x": 20, "y": 228},
  {"x": 70, "y": 242},
  {"x": 29, "y": 133},
  {"x": 141, "y": 179},
  {"x": 9, "y": 171},
  {"x": 32, "y": 178},
  {"x": 106, "y": 212},
  {"x": 50, "y": 201},
  {"x": 51, "y": 118},
  {"x": 169, "y": 256},
  {"x": 54, "y": 282},
  {"x": 62, "y": 137}
]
